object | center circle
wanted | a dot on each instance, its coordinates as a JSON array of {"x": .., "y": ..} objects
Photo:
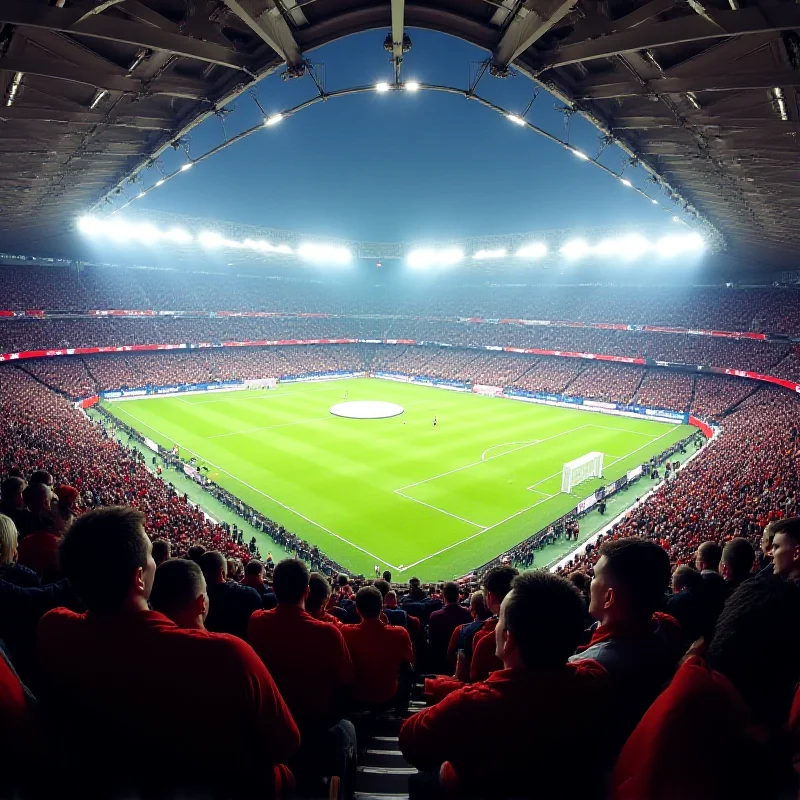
[{"x": 367, "y": 409}]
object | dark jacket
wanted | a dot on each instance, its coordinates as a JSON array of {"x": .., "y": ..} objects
[
  {"x": 230, "y": 606},
  {"x": 19, "y": 575}
]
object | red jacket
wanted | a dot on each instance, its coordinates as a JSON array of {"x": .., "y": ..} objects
[
  {"x": 39, "y": 552},
  {"x": 698, "y": 741},
  {"x": 496, "y": 736}
]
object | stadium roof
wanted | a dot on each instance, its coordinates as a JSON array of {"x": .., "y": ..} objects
[{"x": 702, "y": 93}]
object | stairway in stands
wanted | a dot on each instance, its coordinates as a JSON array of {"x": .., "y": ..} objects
[{"x": 383, "y": 773}]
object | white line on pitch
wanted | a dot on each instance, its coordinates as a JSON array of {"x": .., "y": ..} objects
[
  {"x": 642, "y": 447},
  {"x": 440, "y": 510},
  {"x": 269, "y": 427},
  {"x": 495, "y": 446},
  {"x": 269, "y": 497},
  {"x": 474, "y": 535},
  {"x": 491, "y": 458}
]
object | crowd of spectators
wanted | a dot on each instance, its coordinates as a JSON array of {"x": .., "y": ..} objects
[
  {"x": 774, "y": 309},
  {"x": 661, "y": 389},
  {"x": 715, "y": 395},
  {"x": 612, "y": 383}
]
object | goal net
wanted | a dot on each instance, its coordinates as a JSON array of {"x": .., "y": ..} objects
[{"x": 581, "y": 469}]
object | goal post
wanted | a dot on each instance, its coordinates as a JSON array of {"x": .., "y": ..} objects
[{"x": 581, "y": 469}]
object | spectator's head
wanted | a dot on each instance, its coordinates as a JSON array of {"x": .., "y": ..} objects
[
  {"x": 179, "y": 592},
  {"x": 450, "y": 592},
  {"x": 541, "y": 622},
  {"x": 369, "y": 602},
  {"x": 708, "y": 556},
  {"x": 383, "y": 587},
  {"x": 630, "y": 579},
  {"x": 477, "y": 606},
  {"x": 11, "y": 491},
  {"x": 290, "y": 582},
  {"x": 67, "y": 497},
  {"x": 496, "y": 585},
  {"x": 756, "y": 645},
  {"x": 580, "y": 580},
  {"x": 106, "y": 555},
  {"x": 214, "y": 566},
  {"x": 235, "y": 569},
  {"x": 414, "y": 584},
  {"x": 390, "y": 601},
  {"x": 254, "y": 570},
  {"x": 161, "y": 551},
  {"x": 738, "y": 557},
  {"x": 38, "y": 498},
  {"x": 319, "y": 590},
  {"x": 685, "y": 578},
  {"x": 767, "y": 538},
  {"x": 786, "y": 548},
  {"x": 387, "y": 576},
  {"x": 8, "y": 541},
  {"x": 41, "y": 476},
  {"x": 196, "y": 552}
]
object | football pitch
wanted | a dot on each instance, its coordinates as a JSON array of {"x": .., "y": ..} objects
[{"x": 434, "y": 502}]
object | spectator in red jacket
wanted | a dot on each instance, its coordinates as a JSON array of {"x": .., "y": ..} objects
[
  {"x": 19, "y": 730},
  {"x": 441, "y": 625},
  {"x": 319, "y": 592},
  {"x": 714, "y": 733},
  {"x": 637, "y": 644},
  {"x": 786, "y": 548},
  {"x": 179, "y": 593},
  {"x": 121, "y": 674},
  {"x": 379, "y": 651},
  {"x": 311, "y": 665},
  {"x": 533, "y": 717}
]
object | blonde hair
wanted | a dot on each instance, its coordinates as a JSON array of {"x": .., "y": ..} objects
[{"x": 8, "y": 540}]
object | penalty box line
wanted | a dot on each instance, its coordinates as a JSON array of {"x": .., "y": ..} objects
[{"x": 269, "y": 497}]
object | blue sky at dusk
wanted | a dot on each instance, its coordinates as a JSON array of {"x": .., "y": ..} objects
[{"x": 398, "y": 166}]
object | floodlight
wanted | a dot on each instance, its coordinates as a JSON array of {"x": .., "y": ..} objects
[
  {"x": 534, "y": 250},
  {"x": 676, "y": 219},
  {"x": 633, "y": 246},
  {"x": 178, "y": 235},
  {"x": 431, "y": 257},
  {"x": 89, "y": 225},
  {"x": 146, "y": 233},
  {"x": 411, "y": 86},
  {"x": 273, "y": 120},
  {"x": 654, "y": 202},
  {"x": 283, "y": 248},
  {"x": 626, "y": 182},
  {"x": 186, "y": 166},
  {"x": 517, "y": 120},
  {"x": 694, "y": 241},
  {"x": 500, "y": 252},
  {"x": 382, "y": 87},
  {"x": 580, "y": 154},
  {"x": 319, "y": 252},
  {"x": 210, "y": 239},
  {"x": 117, "y": 229},
  {"x": 160, "y": 183},
  {"x": 576, "y": 248},
  {"x": 140, "y": 195}
]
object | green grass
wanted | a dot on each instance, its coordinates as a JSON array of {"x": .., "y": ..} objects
[{"x": 428, "y": 502}]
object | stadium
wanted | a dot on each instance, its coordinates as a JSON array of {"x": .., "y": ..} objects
[{"x": 427, "y": 508}]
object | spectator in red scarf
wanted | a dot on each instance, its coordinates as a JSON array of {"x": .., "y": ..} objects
[
  {"x": 724, "y": 714},
  {"x": 179, "y": 593},
  {"x": 786, "y": 548},
  {"x": 103, "y": 670},
  {"x": 632, "y": 639},
  {"x": 538, "y": 712},
  {"x": 441, "y": 625}
]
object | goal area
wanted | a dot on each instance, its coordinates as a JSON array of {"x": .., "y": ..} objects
[{"x": 581, "y": 469}]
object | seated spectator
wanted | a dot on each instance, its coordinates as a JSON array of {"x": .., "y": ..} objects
[
  {"x": 319, "y": 592},
  {"x": 416, "y": 594},
  {"x": 10, "y": 570},
  {"x": 638, "y": 645},
  {"x": 196, "y": 552},
  {"x": 736, "y": 564},
  {"x": 719, "y": 716},
  {"x": 765, "y": 549},
  {"x": 479, "y": 613},
  {"x": 41, "y": 476},
  {"x": 312, "y": 668},
  {"x": 481, "y": 658},
  {"x": 707, "y": 559},
  {"x": 378, "y": 651},
  {"x": 441, "y": 625},
  {"x": 37, "y": 516},
  {"x": 564, "y": 704},
  {"x": 161, "y": 551},
  {"x": 11, "y": 503},
  {"x": 102, "y": 670},
  {"x": 63, "y": 508},
  {"x": 179, "y": 593},
  {"x": 387, "y": 576},
  {"x": 39, "y": 549},
  {"x": 786, "y": 548},
  {"x": 254, "y": 578},
  {"x": 345, "y": 591},
  {"x": 231, "y": 604},
  {"x": 689, "y": 605}
]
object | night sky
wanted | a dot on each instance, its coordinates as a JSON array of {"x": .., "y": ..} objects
[{"x": 400, "y": 167}]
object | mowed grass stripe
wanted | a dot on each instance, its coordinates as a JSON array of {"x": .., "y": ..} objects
[{"x": 342, "y": 474}]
